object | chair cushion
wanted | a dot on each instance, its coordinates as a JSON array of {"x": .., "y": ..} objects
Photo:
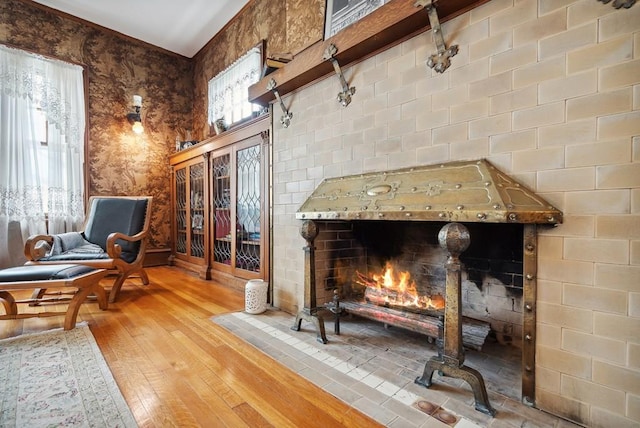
[
  {"x": 43, "y": 272},
  {"x": 108, "y": 215}
]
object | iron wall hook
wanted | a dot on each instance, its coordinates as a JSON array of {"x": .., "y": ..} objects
[
  {"x": 286, "y": 117},
  {"x": 344, "y": 97},
  {"x": 441, "y": 60},
  {"x": 620, "y": 3}
]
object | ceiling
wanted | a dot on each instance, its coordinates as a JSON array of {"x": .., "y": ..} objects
[{"x": 183, "y": 27}]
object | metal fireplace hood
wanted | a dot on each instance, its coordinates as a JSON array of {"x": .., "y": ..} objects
[{"x": 473, "y": 191}]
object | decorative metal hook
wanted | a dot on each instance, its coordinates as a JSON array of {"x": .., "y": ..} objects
[
  {"x": 344, "y": 97},
  {"x": 439, "y": 61},
  {"x": 620, "y": 3},
  {"x": 285, "y": 119}
]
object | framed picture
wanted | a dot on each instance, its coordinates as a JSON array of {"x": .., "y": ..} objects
[
  {"x": 197, "y": 222},
  {"x": 187, "y": 144},
  {"x": 196, "y": 200},
  {"x": 342, "y": 13}
]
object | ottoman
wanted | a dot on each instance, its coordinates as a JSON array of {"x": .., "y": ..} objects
[{"x": 85, "y": 279}]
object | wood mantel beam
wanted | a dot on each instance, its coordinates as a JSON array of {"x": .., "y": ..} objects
[{"x": 388, "y": 25}]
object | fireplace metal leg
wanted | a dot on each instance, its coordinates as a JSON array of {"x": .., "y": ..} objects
[
  {"x": 309, "y": 231},
  {"x": 468, "y": 374},
  {"x": 426, "y": 378},
  {"x": 336, "y": 309},
  {"x": 454, "y": 238},
  {"x": 317, "y": 321}
]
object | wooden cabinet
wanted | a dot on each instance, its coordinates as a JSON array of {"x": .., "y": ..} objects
[{"x": 220, "y": 200}]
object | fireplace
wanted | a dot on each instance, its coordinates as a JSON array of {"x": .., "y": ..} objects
[
  {"x": 394, "y": 272},
  {"x": 358, "y": 226}
]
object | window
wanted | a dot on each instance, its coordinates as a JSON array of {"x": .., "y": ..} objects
[
  {"x": 42, "y": 142},
  {"x": 229, "y": 90}
]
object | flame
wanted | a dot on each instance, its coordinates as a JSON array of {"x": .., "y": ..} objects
[{"x": 397, "y": 289}]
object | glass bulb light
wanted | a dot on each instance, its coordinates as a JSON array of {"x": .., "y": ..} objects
[{"x": 137, "y": 127}]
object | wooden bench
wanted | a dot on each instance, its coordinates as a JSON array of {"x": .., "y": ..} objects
[{"x": 43, "y": 277}]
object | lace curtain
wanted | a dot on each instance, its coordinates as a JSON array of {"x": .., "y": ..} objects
[
  {"x": 30, "y": 83},
  {"x": 228, "y": 91}
]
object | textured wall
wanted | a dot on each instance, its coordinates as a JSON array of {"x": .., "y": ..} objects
[
  {"x": 287, "y": 26},
  {"x": 120, "y": 163},
  {"x": 548, "y": 91},
  {"x": 174, "y": 89},
  {"x": 305, "y": 23}
]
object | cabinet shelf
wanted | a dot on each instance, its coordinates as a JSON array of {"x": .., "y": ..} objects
[{"x": 250, "y": 242}]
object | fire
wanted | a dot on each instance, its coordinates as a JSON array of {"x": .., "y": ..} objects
[{"x": 396, "y": 289}]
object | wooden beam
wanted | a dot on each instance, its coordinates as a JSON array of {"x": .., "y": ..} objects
[{"x": 386, "y": 26}]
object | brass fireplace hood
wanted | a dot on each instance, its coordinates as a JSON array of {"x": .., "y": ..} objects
[{"x": 473, "y": 191}]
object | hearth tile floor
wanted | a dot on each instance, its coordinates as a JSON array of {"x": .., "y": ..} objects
[{"x": 373, "y": 368}]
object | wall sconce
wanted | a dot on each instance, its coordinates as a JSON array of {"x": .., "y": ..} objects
[{"x": 134, "y": 118}]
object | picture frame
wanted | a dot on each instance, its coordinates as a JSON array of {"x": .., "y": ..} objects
[
  {"x": 339, "y": 14},
  {"x": 187, "y": 144},
  {"x": 197, "y": 222},
  {"x": 196, "y": 201}
]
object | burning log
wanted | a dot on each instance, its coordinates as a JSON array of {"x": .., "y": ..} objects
[
  {"x": 474, "y": 332},
  {"x": 403, "y": 301},
  {"x": 394, "y": 300},
  {"x": 401, "y": 294},
  {"x": 365, "y": 280}
]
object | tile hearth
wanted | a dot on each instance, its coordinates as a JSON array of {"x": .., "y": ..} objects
[{"x": 373, "y": 369}]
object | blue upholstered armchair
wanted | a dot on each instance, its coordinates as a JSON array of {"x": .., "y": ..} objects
[{"x": 114, "y": 238}]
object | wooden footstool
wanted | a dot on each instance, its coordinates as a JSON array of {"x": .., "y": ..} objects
[{"x": 42, "y": 277}]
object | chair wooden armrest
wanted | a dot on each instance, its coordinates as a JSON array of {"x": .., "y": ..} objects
[
  {"x": 33, "y": 251},
  {"x": 113, "y": 249}
]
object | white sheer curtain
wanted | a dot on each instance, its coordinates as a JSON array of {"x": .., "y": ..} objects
[
  {"x": 30, "y": 83},
  {"x": 228, "y": 91}
]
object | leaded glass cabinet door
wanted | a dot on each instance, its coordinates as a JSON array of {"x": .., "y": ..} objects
[
  {"x": 239, "y": 217},
  {"x": 181, "y": 210},
  {"x": 191, "y": 201},
  {"x": 222, "y": 207},
  {"x": 248, "y": 208},
  {"x": 197, "y": 210}
]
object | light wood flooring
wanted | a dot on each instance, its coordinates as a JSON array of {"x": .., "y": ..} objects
[{"x": 176, "y": 368}]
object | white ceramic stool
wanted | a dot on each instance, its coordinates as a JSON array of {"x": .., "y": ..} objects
[{"x": 255, "y": 296}]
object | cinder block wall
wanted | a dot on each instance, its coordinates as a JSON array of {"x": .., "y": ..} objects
[{"x": 548, "y": 91}]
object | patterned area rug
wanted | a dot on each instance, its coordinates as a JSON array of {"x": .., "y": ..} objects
[{"x": 58, "y": 378}]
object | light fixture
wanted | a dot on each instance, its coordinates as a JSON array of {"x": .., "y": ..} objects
[{"x": 134, "y": 118}]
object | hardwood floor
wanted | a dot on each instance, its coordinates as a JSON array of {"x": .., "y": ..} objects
[{"x": 176, "y": 368}]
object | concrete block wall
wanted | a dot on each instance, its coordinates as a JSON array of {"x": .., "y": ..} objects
[{"x": 548, "y": 91}]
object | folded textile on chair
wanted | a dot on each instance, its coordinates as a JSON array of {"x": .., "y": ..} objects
[{"x": 74, "y": 242}]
